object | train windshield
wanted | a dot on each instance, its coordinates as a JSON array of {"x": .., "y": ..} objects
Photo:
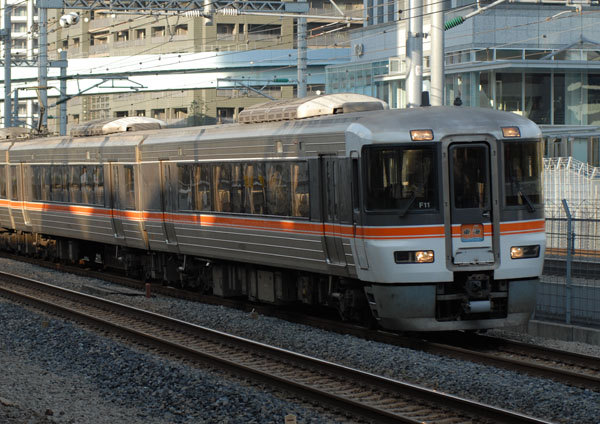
[
  {"x": 400, "y": 178},
  {"x": 523, "y": 173}
]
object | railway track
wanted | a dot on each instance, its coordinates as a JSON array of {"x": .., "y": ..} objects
[
  {"x": 562, "y": 366},
  {"x": 352, "y": 392}
]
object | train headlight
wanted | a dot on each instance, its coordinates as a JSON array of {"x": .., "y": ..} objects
[
  {"x": 511, "y": 132},
  {"x": 411, "y": 257},
  {"x": 524, "y": 252},
  {"x": 424, "y": 256},
  {"x": 421, "y": 135}
]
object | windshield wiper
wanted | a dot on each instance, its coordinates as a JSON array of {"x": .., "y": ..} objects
[
  {"x": 409, "y": 203},
  {"x": 530, "y": 206}
]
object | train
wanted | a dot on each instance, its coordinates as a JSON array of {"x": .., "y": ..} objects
[{"x": 421, "y": 219}]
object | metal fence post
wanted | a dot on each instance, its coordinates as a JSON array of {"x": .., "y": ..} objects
[{"x": 570, "y": 249}]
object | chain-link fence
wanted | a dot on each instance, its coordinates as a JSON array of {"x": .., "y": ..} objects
[{"x": 570, "y": 288}]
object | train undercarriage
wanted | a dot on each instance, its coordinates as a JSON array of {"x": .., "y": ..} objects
[{"x": 220, "y": 278}]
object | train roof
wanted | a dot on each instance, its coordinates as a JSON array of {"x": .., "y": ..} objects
[
  {"x": 395, "y": 125},
  {"x": 330, "y": 133}
]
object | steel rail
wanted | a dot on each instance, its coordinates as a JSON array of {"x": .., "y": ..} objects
[
  {"x": 454, "y": 345},
  {"x": 338, "y": 398}
]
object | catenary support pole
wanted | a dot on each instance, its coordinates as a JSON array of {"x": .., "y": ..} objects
[
  {"x": 436, "y": 96},
  {"x": 63, "y": 95},
  {"x": 7, "y": 64},
  {"x": 302, "y": 57},
  {"x": 414, "y": 53},
  {"x": 43, "y": 66}
]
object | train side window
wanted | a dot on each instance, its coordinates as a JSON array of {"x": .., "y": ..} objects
[
  {"x": 254, "y": 188},
  {"x": 202, "y": 195},
  {"x": 237, "y": 188},
  {"x": 184, "y": 187},
  {"x": 13, "y": 183},
  {"x": 75, "y": 184},
  {"x": 86, "y": 185},
  {"x": 222, "y": 187},
  {"x": 45, "y": 182},
  {"x": 3, "y": 181},
  {"x": 278, "y": 189},
  {"x": 98, "y": 181},
  {"x": 36, "y": 182},
  {"x": 129, "y": 200},
  {"x": 301, "y": 194},
  {"x": 57, "y": 188}
]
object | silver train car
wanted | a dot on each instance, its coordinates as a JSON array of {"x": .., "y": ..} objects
[{"x": 425, "y": 219}]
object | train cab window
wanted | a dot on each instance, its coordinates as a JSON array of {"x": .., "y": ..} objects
[
  {"x": 222, "y": 187},
  {"x": 400, "y": 179},
  {"x": 254, "y": 188},
  {"x": 278, "y": 189},
  {"x": 201, "y": 188},
  {"x": 471, "y": 181},
  {"x": 300, "y": 190},
  {"x": 129, "y": 199},
  {"x": 237, "y": 188},
  {"x": 13, "y": 182},
  {"x": 3, "y": 181},
  {"x": 523, "y": 173}
]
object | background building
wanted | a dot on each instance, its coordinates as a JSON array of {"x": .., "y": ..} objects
[
  {"x": 185, "y": 70},
  {"x": 540, "y": 61}
]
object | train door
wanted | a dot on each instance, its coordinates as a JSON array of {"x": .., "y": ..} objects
[
  {"x": 23, "y": 191},
  {"x": 116, "y": 204},
  {"x": 334, "y": 248},
  {"x": 168, "y": 200},
  {"x": 357, "y": 215},
  {"x": 471, "y": 204},
  {"x": 15, "y": 209}
]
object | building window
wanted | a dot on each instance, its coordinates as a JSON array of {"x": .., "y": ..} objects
[
  {"x": 19, "y": 11},
  {"x": 225, "y": 31},
  {"x": 65, "y": 44},
  {"x": 158, "y": 31},
  {"x": 158, "y": 113},
  {"x": 76, "y": 42},
  {"x": 225, "y": 114},
  {"x": 121, "y": 114},
  {"x": 140, "y": 34},
  {"x": 537, "y": 97},
  {"x": 140, "y": 112},
  {"x": 181, "y": 29},
  {"x": 263, "y": 32},
  {"x": 19, "y": 27},
  {"x": 99, "y": 39},
  {"x": 75, "y": 119},
  {"x": 180, "y": 112},
  {"x": 19, "y": 43},
  {"x": 122, "y": 36}
]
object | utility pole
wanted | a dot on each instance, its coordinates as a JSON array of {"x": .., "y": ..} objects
[
  {"x": 436, "y": 94},
  {"x": 43, "y": 65},
  {"x": 414, "y": 53},
  {"x": 302, "y": 56},
  {"x": 6, "y": 38}
]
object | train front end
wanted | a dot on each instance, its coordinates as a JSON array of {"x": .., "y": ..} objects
[{"x": 450, "y": 230}]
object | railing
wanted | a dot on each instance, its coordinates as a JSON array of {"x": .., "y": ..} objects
[{"x": 569, "y": 291}]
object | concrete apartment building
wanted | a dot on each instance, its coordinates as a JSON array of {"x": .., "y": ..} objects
[{"x": 184, "y": 70}]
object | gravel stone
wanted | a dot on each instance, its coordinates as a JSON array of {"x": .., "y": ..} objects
[{"x": 56, "y": 365}]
